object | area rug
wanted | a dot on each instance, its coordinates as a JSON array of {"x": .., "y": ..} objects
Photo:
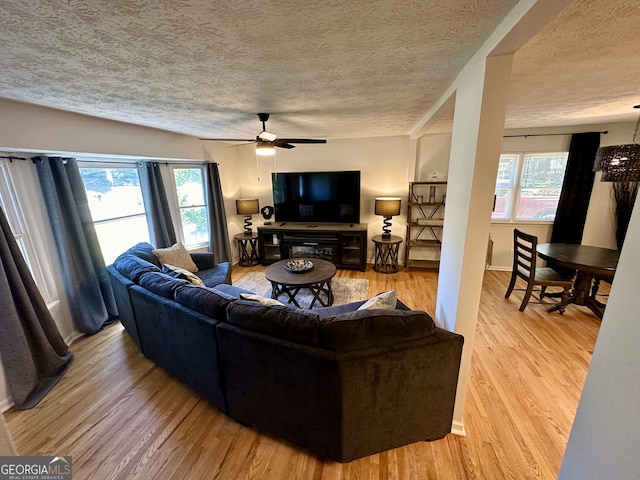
[{"x": 345, "y": 290}]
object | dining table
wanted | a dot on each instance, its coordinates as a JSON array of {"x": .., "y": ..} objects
[{"x": 591, "y": 264}]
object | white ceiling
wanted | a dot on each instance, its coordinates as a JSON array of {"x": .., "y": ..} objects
[{"x": 323, "y": 69}]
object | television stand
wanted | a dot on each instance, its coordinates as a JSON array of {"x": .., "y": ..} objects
[{"x": 343, "y": 244}]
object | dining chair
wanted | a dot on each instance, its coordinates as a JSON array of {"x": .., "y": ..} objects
[{"x": 524, "y": 266}]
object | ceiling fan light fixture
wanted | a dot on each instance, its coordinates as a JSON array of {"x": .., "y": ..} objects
[
  {"x": 264, "y": 150},
  {"x": 267, "y": 136}
]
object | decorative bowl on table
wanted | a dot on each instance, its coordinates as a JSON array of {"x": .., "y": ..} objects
[{"x": 299, "y": 265}]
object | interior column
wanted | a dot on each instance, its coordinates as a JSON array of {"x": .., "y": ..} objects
[{"x": 478, "y": 125}]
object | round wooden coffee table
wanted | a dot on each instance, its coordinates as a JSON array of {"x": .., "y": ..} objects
[{"x": 317, "y": 280}]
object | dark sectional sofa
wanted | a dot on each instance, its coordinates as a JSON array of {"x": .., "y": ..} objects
[{"x": 340, "y": 382}]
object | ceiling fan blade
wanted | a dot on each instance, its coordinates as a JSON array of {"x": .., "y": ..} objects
[
  {"x": 281, "y": 144},
  {"x": 227, "y": 139},
  {"x": 301, "y": 140},
  {"x": 240, "y": 145}
]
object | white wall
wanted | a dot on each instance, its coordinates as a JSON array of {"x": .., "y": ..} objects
[
  {"x": 599, "y": 228},
  {"x": 31, "y": 130},
  {"x": 45, "y": 130},
  {"x": 383, "y": 162},
  {"x": 433, "y": 157},
  {"x": 605, "y": 433},
  {"x": 604, "y": 438}
]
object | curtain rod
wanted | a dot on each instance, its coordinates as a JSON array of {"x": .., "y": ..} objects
[
  {"x": 112, "y": 161},
  {"x": 548, "y": 134},
  {"x": 11, "y": 158}
]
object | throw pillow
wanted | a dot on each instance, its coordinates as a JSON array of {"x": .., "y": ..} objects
[
  {"x": 384, "y": 301},
  {"x": 176, "y": 255},
  {"x": 260, "y": 299},
  {"x": 177, "y": 272}
]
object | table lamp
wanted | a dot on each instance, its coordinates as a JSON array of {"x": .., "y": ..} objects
[
  {"x": 247, "y": 207},
  {"x": 387, "y": 207}
]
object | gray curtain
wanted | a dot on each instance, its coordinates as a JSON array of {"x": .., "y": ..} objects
[
  {"x": 34, "y": 355},
  {"x": 83, "y": 270},
  {"x": 218, "y": 233},
  {"x": 156, "y": 206}
]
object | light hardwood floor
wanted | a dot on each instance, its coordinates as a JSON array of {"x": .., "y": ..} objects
[{"x": 119, "y": 416}]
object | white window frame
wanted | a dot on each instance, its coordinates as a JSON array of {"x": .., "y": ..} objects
[
  {"x": 175, "y": 204},
  {"x": 17, "y": 222},
  {"x": 511, "y": 208}
]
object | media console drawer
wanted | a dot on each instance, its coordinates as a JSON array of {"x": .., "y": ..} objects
[{"x": 343, "y": 245}]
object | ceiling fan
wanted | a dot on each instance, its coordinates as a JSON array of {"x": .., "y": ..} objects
[{"x": 266, "y": 141}]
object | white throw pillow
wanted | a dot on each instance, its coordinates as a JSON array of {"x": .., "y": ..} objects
[
  {"x": 176, "y": 255},
  {"x": 260, "y": 299},
  {"x": 382, "y": 301},
  {"x": 178, "y": 272}
]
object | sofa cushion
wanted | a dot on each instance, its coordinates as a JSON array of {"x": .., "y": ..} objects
[
  {"x": 260, "y": 299},
  {"x": 161, "y": 284},
  {"x": 177, "y": 272},
  {"x": 384, "y": 300},
  {"x": 299, "y": 326},
  {"x": 133, "y": 267},
  {"x": 215, "y": 275},
  {"x": 207, "y": 301},
  {"x": 335, "y": 310},
  {"x": 230, "y": 290},
  {"x": 372, "y": 328},
  {"x": 203, "y": 260},
  {"x": 144, "y": 251},
  {"x": 176, "y": 255}
]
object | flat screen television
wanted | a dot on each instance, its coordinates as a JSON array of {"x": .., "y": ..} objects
[{"x": 331, "y": 197}]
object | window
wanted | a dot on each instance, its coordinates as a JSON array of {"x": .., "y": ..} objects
[
  {"x": 528, "y": 186},
  {"x": 189, "y": 184},
  {"x": 117, "y": 208},
  {"x": 11, "y": 206}
]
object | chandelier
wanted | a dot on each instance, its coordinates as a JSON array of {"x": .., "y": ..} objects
[{"x": 619, "y": 163}]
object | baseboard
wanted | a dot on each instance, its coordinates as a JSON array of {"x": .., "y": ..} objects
[
  {"x": 6, "y": 404},
  {"x": 457, "y": 428},
  {"x": 499, "y": 269},
  {"x": 72, "y": 337}
]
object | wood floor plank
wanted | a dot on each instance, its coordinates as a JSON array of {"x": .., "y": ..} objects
[{"x": 121, "y": 417}]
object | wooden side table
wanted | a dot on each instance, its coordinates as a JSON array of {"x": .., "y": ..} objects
[
  {"x": 386, "y": 257},
  {"x": 247, "y": 248}
]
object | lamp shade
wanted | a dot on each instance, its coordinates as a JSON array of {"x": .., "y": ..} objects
[
  {"x": 265, "y": 150},
  {"x": 387, "y": 206},
  {"x": 618, "y": 163},
  {"x": 247, "y": 206}
]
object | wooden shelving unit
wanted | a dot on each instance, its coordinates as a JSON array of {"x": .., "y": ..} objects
[{"x": 425, "y": 218}]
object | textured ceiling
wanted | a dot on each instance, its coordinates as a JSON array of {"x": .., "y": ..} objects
[
  {"x": 582, "y": 68},
  {"x": 324, "y": 69},
  {"x": 203, "y": 67}
]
